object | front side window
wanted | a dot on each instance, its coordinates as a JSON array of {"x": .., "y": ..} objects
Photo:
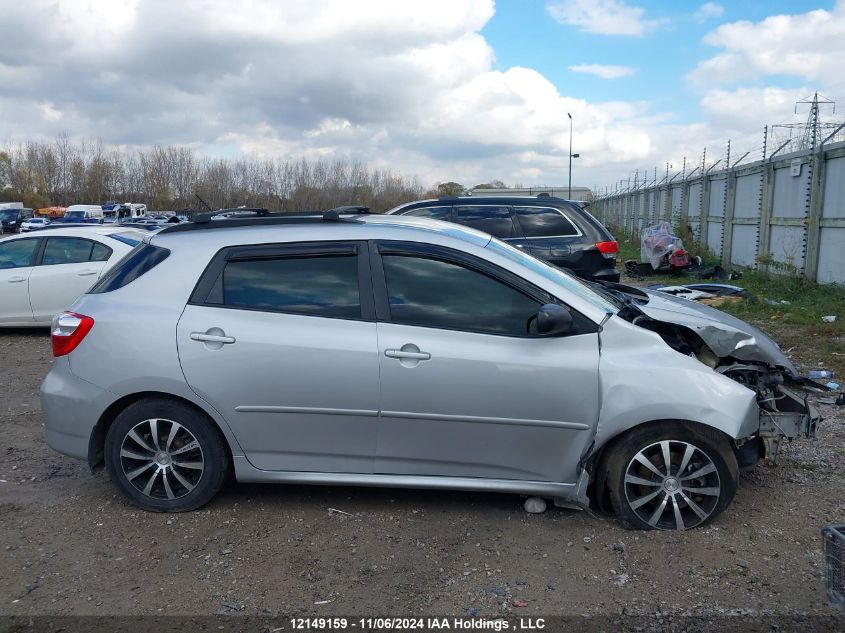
[
  {"x": 324, "y": 286},
  {"x": 544, "y": 222},
  {"x": 17, "y": 253},
  {"x": 440, "y": 294},
  {"x": 66, "y": 250},
  {"x": 496, "y": 221}
]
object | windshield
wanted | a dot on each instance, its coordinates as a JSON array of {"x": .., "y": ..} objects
[
  {"x": 9, "y": 214},
  {"x": 75, "y": 214},
  {"x": 556, "y": 275}
]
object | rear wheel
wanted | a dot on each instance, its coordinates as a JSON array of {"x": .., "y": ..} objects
[
  {"x": 671, "y": 476},
  {"x": 165, "y": 456}
]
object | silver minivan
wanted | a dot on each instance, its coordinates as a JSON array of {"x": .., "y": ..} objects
[{"x": 395, "y": 351}]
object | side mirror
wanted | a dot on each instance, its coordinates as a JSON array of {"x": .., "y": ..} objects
[{"x": 553, "y": 319}]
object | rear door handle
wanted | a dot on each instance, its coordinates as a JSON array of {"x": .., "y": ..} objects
[
  {"x": 86, "y": 273},
  {"x": 212, "y": 338},
  {"x": 16, "y": 280},
  {"x": 398, "y": 353}
]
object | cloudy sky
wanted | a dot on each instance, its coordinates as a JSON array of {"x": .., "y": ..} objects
[{"x": 466, "y": 90}]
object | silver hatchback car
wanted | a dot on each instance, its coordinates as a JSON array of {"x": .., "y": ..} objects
[{"x": 392, "y": 351}]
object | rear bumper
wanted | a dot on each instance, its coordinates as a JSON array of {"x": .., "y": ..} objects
[
  {"x": 606, "y": 274},
  {"x": 70, "y": 407}
]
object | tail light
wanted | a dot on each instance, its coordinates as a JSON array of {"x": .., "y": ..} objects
[
  {"x": 68, "y": 330},
  {"x": 608, "y": 249}
]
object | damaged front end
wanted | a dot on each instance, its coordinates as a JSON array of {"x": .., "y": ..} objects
[{"x": 739, "y": 351}]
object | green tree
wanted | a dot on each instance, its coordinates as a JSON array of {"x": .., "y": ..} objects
[
  {"x": 5, "y": 170},
  {"x": 450, "y": 189}
]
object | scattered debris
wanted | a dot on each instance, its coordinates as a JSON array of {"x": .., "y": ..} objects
[
  {"x": 535, "y": 505},
  {"x": 833, "y": 386},
  {"x": 829, "y": 318},
  {"x": 229, "y": 604},
  {"x": 323, "y": 602},
  {"x": 711, "y": 294},
  {"x": 336, "y": 511},
  {"x": 519, "y": 603},
  {"x": 662, "y": 249},
  {"x": 683, "y": 291},
  {"x": 815, "y": 374}
]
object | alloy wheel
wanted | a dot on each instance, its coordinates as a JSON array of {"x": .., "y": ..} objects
[
  {"x": 162, "y": 459},
  {"x": 672, "y": 485}
]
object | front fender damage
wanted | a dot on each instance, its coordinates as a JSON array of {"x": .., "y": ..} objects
[{"x": 754, "y": 361}]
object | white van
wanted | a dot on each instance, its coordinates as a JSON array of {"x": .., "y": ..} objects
[
  {"x": 126, "y": 212},
  {"x": 84, "y": 213}
]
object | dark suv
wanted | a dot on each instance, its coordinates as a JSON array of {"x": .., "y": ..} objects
[
  {"x": 558, "y": 231},
  {"x": 11, "y": 219}
]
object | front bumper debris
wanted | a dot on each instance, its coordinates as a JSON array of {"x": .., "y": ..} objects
[{"x": 793, "y": 417}]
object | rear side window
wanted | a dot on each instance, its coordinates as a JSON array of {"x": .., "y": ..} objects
[
  {"x": 66, "y": 250},
  {"x": 435, "y": 213},
  {"x": 544, "y": 222},
  {"x": 100, "y": 252},
  {"x": 496, "y": 221},
  {"x": 324, "y": 286},
  {"x": 137, "y": 262}
]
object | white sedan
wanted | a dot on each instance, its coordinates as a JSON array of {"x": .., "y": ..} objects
[
  {"x": 42, "y": 273},
  {"x": 33, "y": 224}
]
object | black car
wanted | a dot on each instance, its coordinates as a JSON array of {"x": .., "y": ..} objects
[
  {"x": 556, "y": 230},
  {"x": 11, "y": 219}
]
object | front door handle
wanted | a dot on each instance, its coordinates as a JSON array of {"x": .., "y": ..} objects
[
  {"x": 212, "y": 338},
  {"x": 16, "y": 280},
  {"x": 398, "y": 353},
  {"x": 86, "y": 273}
]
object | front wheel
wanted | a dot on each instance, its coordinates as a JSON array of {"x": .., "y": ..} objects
[
  {"x": 671, "y": 476},
  {"x": 165, "y": 456}
]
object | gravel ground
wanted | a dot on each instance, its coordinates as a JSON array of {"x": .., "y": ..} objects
[{"x": 69, "y": 545}]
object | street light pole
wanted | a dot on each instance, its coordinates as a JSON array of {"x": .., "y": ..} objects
[{"x": 570, "y": 156}]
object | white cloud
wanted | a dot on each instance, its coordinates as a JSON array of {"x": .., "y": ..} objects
[
  {"x": 49, "y": 112},
  {"x": 709, "y": 10},
  {"x": 604, "y": 17},
  {"x": 604, "y": 71},
  {"x": 401, "y": 85},
  {"x": 807, "y": 45},
  {"x": 409, "y": 86},
  {"x": 750, "y": 107}
]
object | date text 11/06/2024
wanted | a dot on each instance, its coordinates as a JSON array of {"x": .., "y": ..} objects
[{"x": 417, "y": 624}]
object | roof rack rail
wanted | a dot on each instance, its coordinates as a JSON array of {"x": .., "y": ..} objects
[
  {"x": 333, "y": 215},
  {"x": 202, "y": 218},
  {"x": 263, "y": 217}
]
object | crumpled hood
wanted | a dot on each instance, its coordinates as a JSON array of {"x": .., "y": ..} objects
[{"x": 724, "y": 334}]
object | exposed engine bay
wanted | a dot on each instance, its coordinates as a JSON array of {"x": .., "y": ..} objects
[{"x": 740, "y": 352}]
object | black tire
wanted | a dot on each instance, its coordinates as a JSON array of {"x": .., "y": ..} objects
[
  {"x": 637, "y": 492},
  {"x": 184, "y": 436}
]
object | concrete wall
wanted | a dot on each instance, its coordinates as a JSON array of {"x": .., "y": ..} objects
[{"x": 786, "y": 213}]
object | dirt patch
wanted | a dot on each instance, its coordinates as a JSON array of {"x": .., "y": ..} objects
[{"x": 69, "y": 544}]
